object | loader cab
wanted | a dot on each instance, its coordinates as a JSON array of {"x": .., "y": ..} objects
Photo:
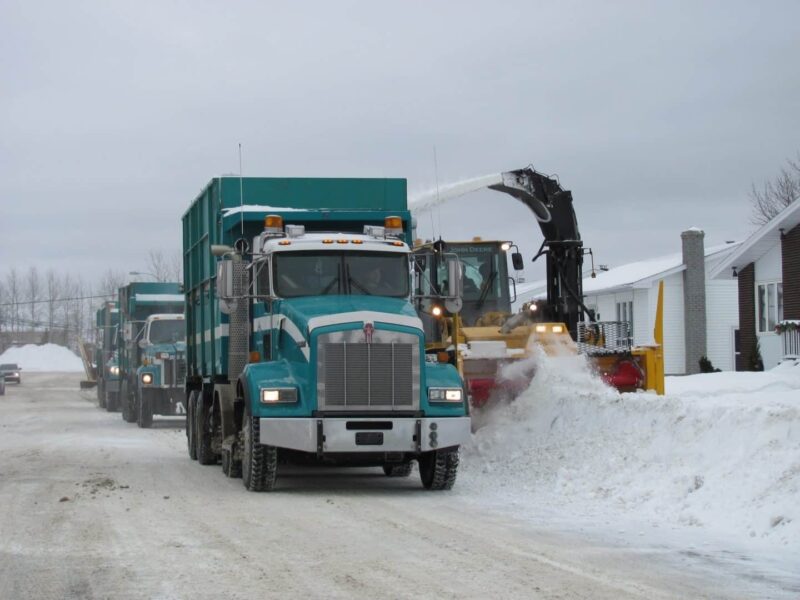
[{"x": 485, "y": 276}]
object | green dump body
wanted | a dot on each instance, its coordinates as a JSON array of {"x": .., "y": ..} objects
[{"x": 230, "y": 209}]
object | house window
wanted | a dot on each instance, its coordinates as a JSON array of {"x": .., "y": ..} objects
[
  {"x": 625, "y": 315},
  {"x": 769, "y": 306}
]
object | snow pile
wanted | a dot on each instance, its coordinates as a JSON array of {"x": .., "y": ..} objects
[
  {"x": 720, "y": 451},
  {"x": 47, "y": 357}
]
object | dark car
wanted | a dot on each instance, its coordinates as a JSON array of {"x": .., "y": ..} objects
[{"x": 10, "y": 372}]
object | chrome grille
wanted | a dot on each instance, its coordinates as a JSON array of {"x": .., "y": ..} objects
[
  {"x": 354, "y": 375},
  {"x": 174, "y": 372}
]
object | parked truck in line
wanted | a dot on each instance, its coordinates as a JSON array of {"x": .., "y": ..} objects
[
  {"x": 106, "y": 367},
  {"x": 303, "y": 344},
  {"x": 152, "y": 351}
]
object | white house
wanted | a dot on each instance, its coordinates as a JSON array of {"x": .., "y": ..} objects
[
  {"x": 766, "y": 267},
  {"x": 701, "y": 315}
]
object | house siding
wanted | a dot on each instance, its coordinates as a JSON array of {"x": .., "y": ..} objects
[
  {"x": 747, "y": 315},
  {"x": 674, "y": 339},
  {"x": 790, "y": 263},
  {"x": 722, "y": 320}
]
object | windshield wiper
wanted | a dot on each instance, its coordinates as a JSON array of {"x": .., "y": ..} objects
[{"x": 352, "y": 281}]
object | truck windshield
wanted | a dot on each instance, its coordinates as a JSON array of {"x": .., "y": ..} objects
[
  {"x": 166, "y": 331},
  {"x": 315, "y": 273}
]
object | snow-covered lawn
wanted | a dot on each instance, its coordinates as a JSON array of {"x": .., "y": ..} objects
[
  {"x": 47, "y": 357},
  {"x": 717, "y": 458}
]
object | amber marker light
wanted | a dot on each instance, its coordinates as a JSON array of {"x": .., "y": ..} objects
[
  {"x": 341, "y": 241},
  {"x": 393, "y": 223},
  {"x": 358, "y": 241},
  {"x": 255, "y": 356},
  {"x": 273, "y": 222},
  {"x": 327, "y": 241},
  {"x": 284, "y": 243}
]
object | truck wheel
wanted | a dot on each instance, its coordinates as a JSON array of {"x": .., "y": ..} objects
[
  {"x": 205, "y": 456},
  {"x": 438, "y": 469},
  {"x": 398, "y": 470},
  {"x": 101, "y": 394},
  {"x": 190, "y": 426},
  {"x": 230, "y": 466},
  {"x": 259, "y": 462},
  {"x": 126, "y": 399},
  {"x": 111, "y": 401},
  {"x": 144, "y": 418}
]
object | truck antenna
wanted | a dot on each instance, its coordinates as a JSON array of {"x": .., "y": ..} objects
[
  {"x": 438, "y": 205},
  {"x": 241, "y": 191}
]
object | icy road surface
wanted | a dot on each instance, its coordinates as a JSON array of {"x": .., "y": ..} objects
[{"x": 93, "y": 507}]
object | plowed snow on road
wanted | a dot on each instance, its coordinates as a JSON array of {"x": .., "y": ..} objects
[{"x": 93, "y": 507}]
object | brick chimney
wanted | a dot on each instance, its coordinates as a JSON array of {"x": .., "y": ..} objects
[{"x": 694, "y": 298}]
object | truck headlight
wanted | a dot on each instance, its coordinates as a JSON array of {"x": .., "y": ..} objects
[
  {"x": 445, "y": 394},
  {"x": 278, "y": 395},
  {"x": 147, "y": 378},
  {"x": 113, "y": 370}
]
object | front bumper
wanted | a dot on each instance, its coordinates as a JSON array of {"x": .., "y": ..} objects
[
  {"x": 374, "y": 434},
  {"x": 14, "y": 378}
]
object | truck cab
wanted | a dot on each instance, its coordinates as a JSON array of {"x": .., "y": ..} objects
[{"x": 162, "y": 374}]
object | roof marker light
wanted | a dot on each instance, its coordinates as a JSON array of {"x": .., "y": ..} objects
[
  {"x": 327, "y": 241},
  {"x": 393, "y": 226},
  {"x": 284, "y": 243},
  {"x": 358, "y": 241},
  {"x": 341, "y": 241}
]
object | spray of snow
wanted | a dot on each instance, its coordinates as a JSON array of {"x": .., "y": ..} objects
[
  {"x": 431, "y": 198},
  {"x": 720, "y": 451},
  {"x": 47, "y": 357}
]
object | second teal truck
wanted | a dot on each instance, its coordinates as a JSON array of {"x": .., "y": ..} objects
[
  {"x": 303, "y": 344},
  {"x": 106, "y": 365},
  {"x": 152, "y": 351}
]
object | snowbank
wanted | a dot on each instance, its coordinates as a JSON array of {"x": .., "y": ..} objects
[
  {"x": 719, "y": 451},
  {"x": 47, "y": 357}
]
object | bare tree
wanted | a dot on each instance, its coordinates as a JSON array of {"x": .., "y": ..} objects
[
  {"x": 14, "y": 292},
  {"x": 164, "y": 267},
  {"x": 32, "y": 291},
  {"x": 110, "y": 282},
  {"x": 777, "y": 194}
]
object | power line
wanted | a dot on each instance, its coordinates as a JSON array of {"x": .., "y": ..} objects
[{"x": 21, "y": 302}]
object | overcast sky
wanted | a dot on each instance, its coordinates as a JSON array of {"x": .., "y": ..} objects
[{"x": 658, "y": 116}]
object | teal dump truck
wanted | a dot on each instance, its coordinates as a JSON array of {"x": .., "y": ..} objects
[
  {"x": 152, "y": 351},
  {"x": 303, "y": 345},
  {"x": 106, "y": 337}
]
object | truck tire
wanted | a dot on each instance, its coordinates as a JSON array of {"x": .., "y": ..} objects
[
  {"x": 398, "y": 470},
  {"x": 126, "y": 400},
  {"x": 438, "y": 469},
  {"x": 144, "y": 417},
  {"x": 101, "y": 394},
  {"x": 112, "y": 399},
  {"x": 259, "y": 462},
  {"x": 230, "y": 466},
  {"x": 202, "y": 434},
  {"x": 190, "y": 426}
]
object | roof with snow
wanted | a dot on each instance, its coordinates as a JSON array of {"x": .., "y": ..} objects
[
  {"x": 640, "y": 274},
  {"x": 759, "y": 243}
]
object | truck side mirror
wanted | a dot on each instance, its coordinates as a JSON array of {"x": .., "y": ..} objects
[
  {"x": 225, "y": 290},
  {"x": 517, "y": 262},
  {"x": 455, "y": 285}
]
